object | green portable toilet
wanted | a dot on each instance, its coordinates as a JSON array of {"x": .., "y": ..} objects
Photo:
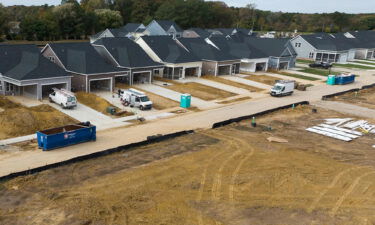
[
  {"x": 185, "y": 100},
  {"x": 331, "y": 80}
]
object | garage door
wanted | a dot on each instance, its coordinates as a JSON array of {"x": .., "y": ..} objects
[
  {"x": 283, "y": 65},
  {"x": 48, "y": 89},
  {"x": 122, "y": 80},
  {"x": 142, "y": 78},
  {"x": 190, "y": 72},
  {"x": 224, "y": 70},
  {"x": 97, "y": 85},
  {"x": 260, "y": 67}
]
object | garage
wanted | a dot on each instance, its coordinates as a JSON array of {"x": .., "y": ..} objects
[
  {"x": 191, "y": 72},
  {"x": 283, "y": 65},
  {"x": 260, "y": 67},
  {"x": 104, "y": 84},
  {"x": 48, "y": 88},
  {"x": 142, "y": 77},
  {"x": 224, "y": 70},
  {"x": 122, "y": 79}
]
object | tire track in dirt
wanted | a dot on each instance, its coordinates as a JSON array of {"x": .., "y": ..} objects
[
  {"x": 238, "y": 168},
  {"x": 330, "y": 186},
  {"x": 348, "y": 192}
]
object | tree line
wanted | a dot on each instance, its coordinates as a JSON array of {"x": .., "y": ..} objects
[{"x": 74, "y": 19}]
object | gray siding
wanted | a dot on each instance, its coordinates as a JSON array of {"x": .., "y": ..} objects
[{"x": 304, "y": 50}]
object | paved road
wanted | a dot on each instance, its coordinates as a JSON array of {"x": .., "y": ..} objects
[
  {"x": 204, "y": 119},
  {"x": 347, "y": 108}
]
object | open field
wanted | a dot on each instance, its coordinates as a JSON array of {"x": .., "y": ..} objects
[
  {"x": 159, "y": 102},
  {"x": 353, "y": 66},
  {"x": 98, "y": 103},
  {"x": 364, "y": 98},
  {"x": 200, "y": 91},
  {"x": 18, "y": 120},
  {"x": 230, "y": 175},
  {"x": 296, "y": 76},
  {"x": 321, "y": 72},
  {"x": 265, "y": 79},
  {"x": 233, "y": 83}
]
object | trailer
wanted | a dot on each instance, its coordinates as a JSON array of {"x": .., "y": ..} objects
[{"x": 67, "y": 135}]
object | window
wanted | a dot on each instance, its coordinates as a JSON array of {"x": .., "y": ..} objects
[
  {"x": 297, "y": 44},
  {"x": 9, "y": 87},
  {"x": 311, "y": 55},
  {"x": 52, "y": 58},
  {"x": 157, "y": 72}
]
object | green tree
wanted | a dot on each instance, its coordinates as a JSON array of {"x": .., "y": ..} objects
[
  {"x": 3, "y": 20},
  {"x": 108, "y": 18}
]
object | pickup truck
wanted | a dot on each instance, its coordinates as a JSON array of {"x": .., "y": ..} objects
[{"x": 323, "y": 65}]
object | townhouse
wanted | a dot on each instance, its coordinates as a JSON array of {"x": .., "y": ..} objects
[
  {"x": 178, "y": 61},
  {"x": 25, "y": 72},
  {"x": 125, "y": 53},
  {"x": 163, "y": 27}
]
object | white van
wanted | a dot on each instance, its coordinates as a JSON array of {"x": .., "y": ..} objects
[
  {"x": 64, "y": 98},
  {"x": 283, "y": 88},
  {"x": 135, "y": 98}
]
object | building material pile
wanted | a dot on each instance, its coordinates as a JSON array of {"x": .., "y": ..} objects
[{"x": 344, "y": 129}]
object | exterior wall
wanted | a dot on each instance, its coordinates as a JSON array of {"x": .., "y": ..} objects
[
  {"x": 249, "y": 65},
  {"x": 78, "y": 82},
  {"x": 155, "y": 29},
  {"x": 343, "y": 58},
  {"x": 351, "y": 54},
  {"x": 305, "y": 49},
  {"x": 209, "y": 68},
  {"x": 190, "y": 34},
  {"x": 30, "y": 91},
  {"x": 185, "y": 66},
  {"x": 48, "y": 53},
  {"x": 274, "y": 62}
]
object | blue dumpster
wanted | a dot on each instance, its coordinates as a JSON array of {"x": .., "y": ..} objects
[
  {"x": 67, "y": 135},
  {"x": 345, "y": 79},
  {"x": 185, "y": 101}
]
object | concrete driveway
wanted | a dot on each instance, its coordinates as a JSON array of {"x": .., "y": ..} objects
[{"x": 247, "y": 82}]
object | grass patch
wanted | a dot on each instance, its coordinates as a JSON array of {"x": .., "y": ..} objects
[
  {"x": 200, "y": 91},
  {"x": 320, "y": 72},
  {"x": 354, "y": 66},
  {"x": 235, "y": 100},
  {"x": 97, "y": 103},
  {"x": 298, "y": 76},
  {"x": 17, "y": 120},
  {"x": 304, "y": 61},
  {"x": 232, "y": 83},
  {"x": 265, "y": 79},
  {"x": 372, "y": 63}
]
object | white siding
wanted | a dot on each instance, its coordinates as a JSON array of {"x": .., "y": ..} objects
[{"x": 304, "y": 50}]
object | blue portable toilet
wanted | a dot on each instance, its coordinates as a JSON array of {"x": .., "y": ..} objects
[{"x": 185, "y": 101}]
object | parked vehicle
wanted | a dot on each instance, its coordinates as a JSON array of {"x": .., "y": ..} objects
[
  {"x": 67, "y": 135},
  {"x": 283, "y": 88},
  {"x": 135, "y": 98},
  {"x": 64, "y": 98},
  {"x": 324, "y": 65}
]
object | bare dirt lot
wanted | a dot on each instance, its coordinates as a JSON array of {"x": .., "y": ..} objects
[
  {"x": 233, "y": 83},
  {"x": 265, "y": 79},
  {"x": 18, "y": 120},
  {"x": 364, "y": 98},
  {"x": 230, "y": 175}
]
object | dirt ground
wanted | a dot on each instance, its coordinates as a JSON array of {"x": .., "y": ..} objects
[
  {"x": 231, "y": 175},
  {"x": 99, "y": 104},
  {"x": 17, "y": 120},
  {"x": 159, "y": 102},
  {"x": 232, "y": 83},
  {"x": 364, "y": 98},
  {"x": 235, "y": 100},
  {"x": 265, "y": 79},
  {"x": 200, "y": 91}
]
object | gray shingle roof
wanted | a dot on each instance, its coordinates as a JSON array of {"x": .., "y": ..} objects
[
  {"x": 237, "y": 48},
  {"x": 168, "y": 50},
  {"x": 201, "y": 32},
  {"x": 166, "y": 24},
  {"x": 82, "y": 58},
  {"x": 132, "y": 27},
  {"x": 205, "y": 51},
  {"x": 127, "y": 53},
  {"x": 25, "y": 62}
]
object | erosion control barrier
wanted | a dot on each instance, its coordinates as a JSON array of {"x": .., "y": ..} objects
[
  {"x": 325, "y": 97},
  {"x": 124, "y": 148},
  {"x": 239, "y": 119}
]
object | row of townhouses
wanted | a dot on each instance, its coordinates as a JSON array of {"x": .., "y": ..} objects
[{"x": 135, "y": 54}]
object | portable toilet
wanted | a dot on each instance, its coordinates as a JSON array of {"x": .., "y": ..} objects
[
  {"x": 185, "y": 101},
  {"x": 331, "y": 80}
]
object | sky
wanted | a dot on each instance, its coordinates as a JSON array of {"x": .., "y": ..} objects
[{"x": 305, "y": 6}]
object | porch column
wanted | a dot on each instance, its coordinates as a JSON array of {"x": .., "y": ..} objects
[
  {"x": 216, "y": 68},
  {"x": 2, "y": 87},
  {"x": 39, "y": 94},
  {"x": 183, "y": 72}
]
